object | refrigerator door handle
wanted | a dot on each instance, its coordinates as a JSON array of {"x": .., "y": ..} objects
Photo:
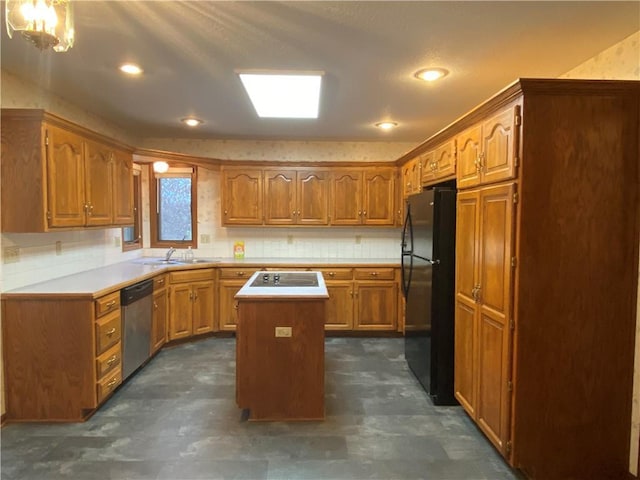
[
  {"x": 406, "y": 279},
  {"x": 434, "y": 262},
  {"x": 407, "y": 227}
]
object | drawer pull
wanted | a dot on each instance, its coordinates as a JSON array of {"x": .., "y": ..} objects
[
  {"x": 112, "y": 360},
  {"x": 110, "y": 304},
  {"x": 161, "y": 281},
  {"x": 112, "y": 383},
  {"x": 240, "y": 274},
  {"x": 110, "y": 332},
  {"x": 332, "y": 274},
  {"x": 374, "y": 274}
]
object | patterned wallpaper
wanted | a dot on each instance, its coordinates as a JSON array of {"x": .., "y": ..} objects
[
  {"x": 618, "y": 62},
  {"x": 283, "y": 150},
  {"x": 18, "y": 93}
]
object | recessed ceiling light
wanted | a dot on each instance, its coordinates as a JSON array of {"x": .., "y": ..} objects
[
  {"x": 386, "y": 125},
  {"x": 130, "y": 69},
  {"x": 284, "y": 94},
  {"x": 192, "y": 122},
  {"x": 430, "y": 74}
]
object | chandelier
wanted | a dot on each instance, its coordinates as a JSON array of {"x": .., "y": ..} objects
[{"x": 45, "y": 23}]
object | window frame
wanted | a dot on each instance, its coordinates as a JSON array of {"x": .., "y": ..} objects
[
  {"x": 137, "y": 213},
  {"x": 155, "y": 242}
]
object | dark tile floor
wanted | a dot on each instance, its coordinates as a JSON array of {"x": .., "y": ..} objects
[{"x": 177, "y": 419}]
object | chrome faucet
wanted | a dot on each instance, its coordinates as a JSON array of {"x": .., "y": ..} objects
[{"x": 169, "y": 253}]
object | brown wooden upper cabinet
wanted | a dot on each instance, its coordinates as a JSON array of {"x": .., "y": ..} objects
[
  {"x": 296, "y": 197},
  {"x": 363, "y": 197},
  {"x": 241, "y": 196},
  {"x": 438, "y": 164},
  {"x": 58, "y": 175},
  {"x": 302, "y": 196},
  {"x": 487, "y": 151},
  {"x": 411, "y": 177}
]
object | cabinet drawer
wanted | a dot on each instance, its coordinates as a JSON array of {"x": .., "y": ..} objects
[
  {"x": 159, "y": 282},
  {"x": 375, "y": 274},
  {"x": 228, "y": 273},
  {"x": 108, "y": 332},
  {"x": 108, "y": 361},
  {"x": 191, "y": 275},
  {"x": 336, "y": 274},
  {"x": 107, "y": 304},
  {"x": 108, "y": 384}
]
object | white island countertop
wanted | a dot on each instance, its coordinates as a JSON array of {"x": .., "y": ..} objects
[{"x": 281, "y": 292}]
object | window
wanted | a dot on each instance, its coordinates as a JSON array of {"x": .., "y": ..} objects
[
  {"x": 173, "y": 208},
  {"x": 132, "y": 236}
]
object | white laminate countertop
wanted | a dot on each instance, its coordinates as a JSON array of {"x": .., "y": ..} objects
[
  {"x": 101, "y": 281},
  {"x": 247, "y": 292}
]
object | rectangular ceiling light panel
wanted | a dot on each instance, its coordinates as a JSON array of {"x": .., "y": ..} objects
[{"x": 283, "y": 95}]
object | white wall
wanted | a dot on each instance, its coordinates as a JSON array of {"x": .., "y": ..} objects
[{"x": 621, "y": 62}]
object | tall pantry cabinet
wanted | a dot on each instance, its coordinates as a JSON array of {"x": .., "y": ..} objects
[{"x": 546, "y": 273}]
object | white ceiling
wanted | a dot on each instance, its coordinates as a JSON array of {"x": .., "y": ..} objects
[{"x": 368, "y": 51}]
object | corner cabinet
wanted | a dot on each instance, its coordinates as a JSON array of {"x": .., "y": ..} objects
[
  {"x": 75, "y": 178},
  {"x": 545, "y": 307}
]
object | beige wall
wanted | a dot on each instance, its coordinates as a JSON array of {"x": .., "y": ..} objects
[{"x": 621, "y": 62}]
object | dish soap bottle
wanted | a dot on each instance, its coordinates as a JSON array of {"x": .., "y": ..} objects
[{"x": 188, "y": 255}]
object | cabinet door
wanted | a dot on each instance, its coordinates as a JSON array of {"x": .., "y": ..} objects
[
  {"x": 227, "y": 304},
  {"x": 467, "y": 248},
  {"x": 494, "y": 299},
  {"x": 445, "y": 160},
  {"x": 376, "y": 306},
  {"x": 203, "y": 307},
  {"x": 498, "y": 146},
  {"x": 427, "y": 167},
  {"x": 468, "y": 145},
  {"x": 339, "y": 307},
  {"x": 378, "y": 199},
  {"x": 180, "y": 311},
  {"x": 98, "y": 183},
  {"x": 122, "y": 188},
  {"x": 280, "y": 206},
  {"x": 313, "y": 198},
  {"x": 65, "y": 179},
  {"x": 242, "y": 197},
  {"x": 346, "y": 195},
  {"x": 159, "y": 319}
]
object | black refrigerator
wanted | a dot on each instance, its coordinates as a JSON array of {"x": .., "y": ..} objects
[{"x": 428, "y": 283}]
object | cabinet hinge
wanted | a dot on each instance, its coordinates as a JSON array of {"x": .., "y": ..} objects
[
  {"x": 515, "y": 197},
  {"x": 507, "y": 447},
  {"x": 510, "y": 386},
  {"x": 518, "y": 119},
  {"x": 514, "y": 262},
  {"x": 46, "y": 139}
]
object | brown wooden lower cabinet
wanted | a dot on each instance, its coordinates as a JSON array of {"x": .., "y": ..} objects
[
  {"x": 160, "y": 315},
  {"x": 191, "y": 303}
]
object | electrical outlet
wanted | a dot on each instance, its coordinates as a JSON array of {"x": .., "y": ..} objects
[
  {"x": 58, "y": 247},
  {"x": 205, "y": 238},
  {"x": 11, "y": 254},
  {"x": 358, "y": 239},
  {"x": 283, "y": 332},
  {"x": 116, "y": 241},
  {"x": 290, "y": 239}
]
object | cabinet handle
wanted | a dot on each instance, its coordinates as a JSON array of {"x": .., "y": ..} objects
[
  {"x": 240, "y": 274},
  {"x": 235, "y": 306},
  {"x": 195, "y": 297},
  {"x": 112, "y": 383},
  {"x": 364, "y": 213},
  {"x": 360, "y": 212},
  {"x": 374, "y": 274},
  {"x": 161, "y": 281},
  {"x": 478, "y": 294},
  {"x": 110, "y": 332},
  {"x": 112, "y": 360},
  {"x": 155, "y": 306},
  {"x": 351, "y": 293},
  {"x": 110, "y": 304},
  {"x": 298, "y": 213},
  {"x": 332, "y": 274},
  {"x": 190, "y": 295},
  {"x": 225, "y": 212}
]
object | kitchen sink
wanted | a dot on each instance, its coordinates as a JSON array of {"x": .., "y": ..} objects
[{"x": 162, "y": 261}]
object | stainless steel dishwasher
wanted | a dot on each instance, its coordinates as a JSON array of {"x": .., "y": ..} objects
[{"x": 136, "y": 301}]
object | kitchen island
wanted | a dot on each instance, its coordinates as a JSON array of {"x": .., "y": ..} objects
[{"x": 280, "y": 346}]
